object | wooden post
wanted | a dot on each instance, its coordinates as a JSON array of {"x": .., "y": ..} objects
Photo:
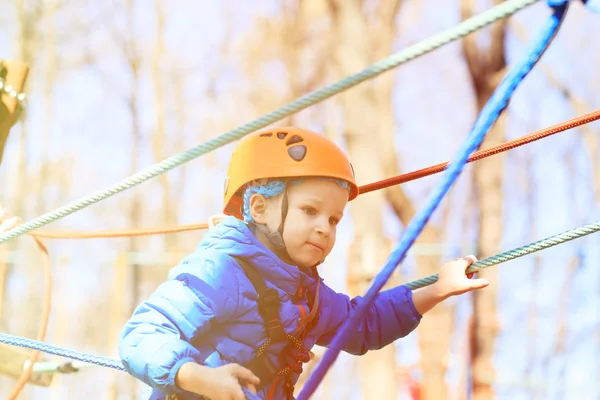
[
  {"x": 12, "y": 361},
  {"x": 16, "y": 75}
]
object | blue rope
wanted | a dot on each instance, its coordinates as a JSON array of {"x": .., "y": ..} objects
[
  {"x": 496, "y": 104},
  {"x": 593, "y": 5}
]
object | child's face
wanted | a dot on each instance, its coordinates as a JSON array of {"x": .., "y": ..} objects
[{"x": 315, "y": 206}]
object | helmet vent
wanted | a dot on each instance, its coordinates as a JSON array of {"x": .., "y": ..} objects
[
  {"x": 294, "y": 139},
  {"x": 297, "y": 152},
  {"x": 281, "y": 135},
  {"x": 266, "y": 134}
]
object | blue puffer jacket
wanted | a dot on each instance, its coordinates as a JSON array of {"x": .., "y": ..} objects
[{"x": 206, "y": 312}]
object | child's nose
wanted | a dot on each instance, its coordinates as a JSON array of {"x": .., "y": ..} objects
[{"x": 324, "y": 227}]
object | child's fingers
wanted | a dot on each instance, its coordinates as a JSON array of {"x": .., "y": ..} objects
[
  {"x": 479, "y": 283},
  {"x": 250, "y": 387},
  {"x": 470, "y": 259},
  {"x": 245, "y": 375}
]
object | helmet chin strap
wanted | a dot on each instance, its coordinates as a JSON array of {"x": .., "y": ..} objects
[{"x": 276, "y": 237}]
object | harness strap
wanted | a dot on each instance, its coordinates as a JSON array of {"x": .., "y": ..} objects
[
  {"x": 268, "y": 307},
  {"x": 268, "y": 302}
]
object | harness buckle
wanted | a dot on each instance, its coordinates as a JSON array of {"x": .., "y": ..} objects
[
  {"x": 268, "y": 298},
  {"x": 268, "y": 306}
]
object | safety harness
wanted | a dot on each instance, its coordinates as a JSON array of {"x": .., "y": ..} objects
[{"x": 268, "y": 307}]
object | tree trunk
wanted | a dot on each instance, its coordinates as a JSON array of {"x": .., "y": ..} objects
[
  {"x": 368, "y": 252},
  {"x": 135, "y": 204},
  {"x": 178, "y": 83},
  {"x": 435, "y": 329},
  {"x": 485, "y": 69},
  {"x": 159, "y": 139},
  {"x": 133, "y": 60},
  {"x": 30, "y": 307},
  {"x": 49, "y": 80}
]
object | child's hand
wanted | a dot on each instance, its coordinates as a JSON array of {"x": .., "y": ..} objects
[
  {"x": 7, "y": 222},
  {"x": 221, "y": 383},
  {"x": 453, "y": 280}
]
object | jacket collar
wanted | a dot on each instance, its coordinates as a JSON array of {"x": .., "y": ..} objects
[{"x": 233, "y": 237}]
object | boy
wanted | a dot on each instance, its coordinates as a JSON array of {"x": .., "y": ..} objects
[{"x": 238, "y": 317}]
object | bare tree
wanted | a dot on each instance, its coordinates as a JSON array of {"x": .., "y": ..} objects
[
  {"x": 128, "y": 46},
  {"x": 369, "y": 45},
  {"x": 50, "y": 65},
  {"x": 580, "y": 106},
  {"x": 486, "y": 69},
  {"x": 434, "y": 330},
  {"x": 353, "y": 51},
  {"x": 159, "y": 137},
  {"x": 177, "y": 82},
  {"x": 29, "y": 15}
]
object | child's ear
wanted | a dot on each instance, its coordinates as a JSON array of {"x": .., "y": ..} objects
[{"x": 258, "y": 208}]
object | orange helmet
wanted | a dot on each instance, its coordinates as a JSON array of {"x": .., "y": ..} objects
[{"x": 283, "y": 153}]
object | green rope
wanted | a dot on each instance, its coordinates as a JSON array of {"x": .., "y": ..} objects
[
  {"x": 464, "y": 28},
  {"x": 518, "y": 252},
  {"x": 116, "y": 364}
]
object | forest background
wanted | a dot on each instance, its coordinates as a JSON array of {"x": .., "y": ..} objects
[{"x": 117, "y": 86}]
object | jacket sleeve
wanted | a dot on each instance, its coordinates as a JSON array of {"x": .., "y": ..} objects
[
  {"x": 392, "y": 315},
  {"x": 155, "y": 342}
]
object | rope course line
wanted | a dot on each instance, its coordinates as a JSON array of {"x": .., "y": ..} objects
[
  {"x": 384, "y": 183},
  {"x": 464, "y": 28},
  {"x": 419, "y": 283},
  {"x": 478, "y": 155},
  {"x": 27, "y": 369},
  {"x": 108, "y": 362}
]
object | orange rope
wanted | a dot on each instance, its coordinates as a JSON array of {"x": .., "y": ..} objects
[
  {"x": 114, "y": 234},
  {"x": 26, "y": 373},
  {"x": 410, "y": 176},
  {"x": 434, "y": 169}
]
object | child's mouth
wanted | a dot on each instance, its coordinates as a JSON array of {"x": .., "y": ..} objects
[{"x": 315, "y": 246}]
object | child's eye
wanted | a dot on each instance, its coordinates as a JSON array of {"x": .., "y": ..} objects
[
  {"x": 310, "y": 211},
  {"x": 334, "y": 221}
]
